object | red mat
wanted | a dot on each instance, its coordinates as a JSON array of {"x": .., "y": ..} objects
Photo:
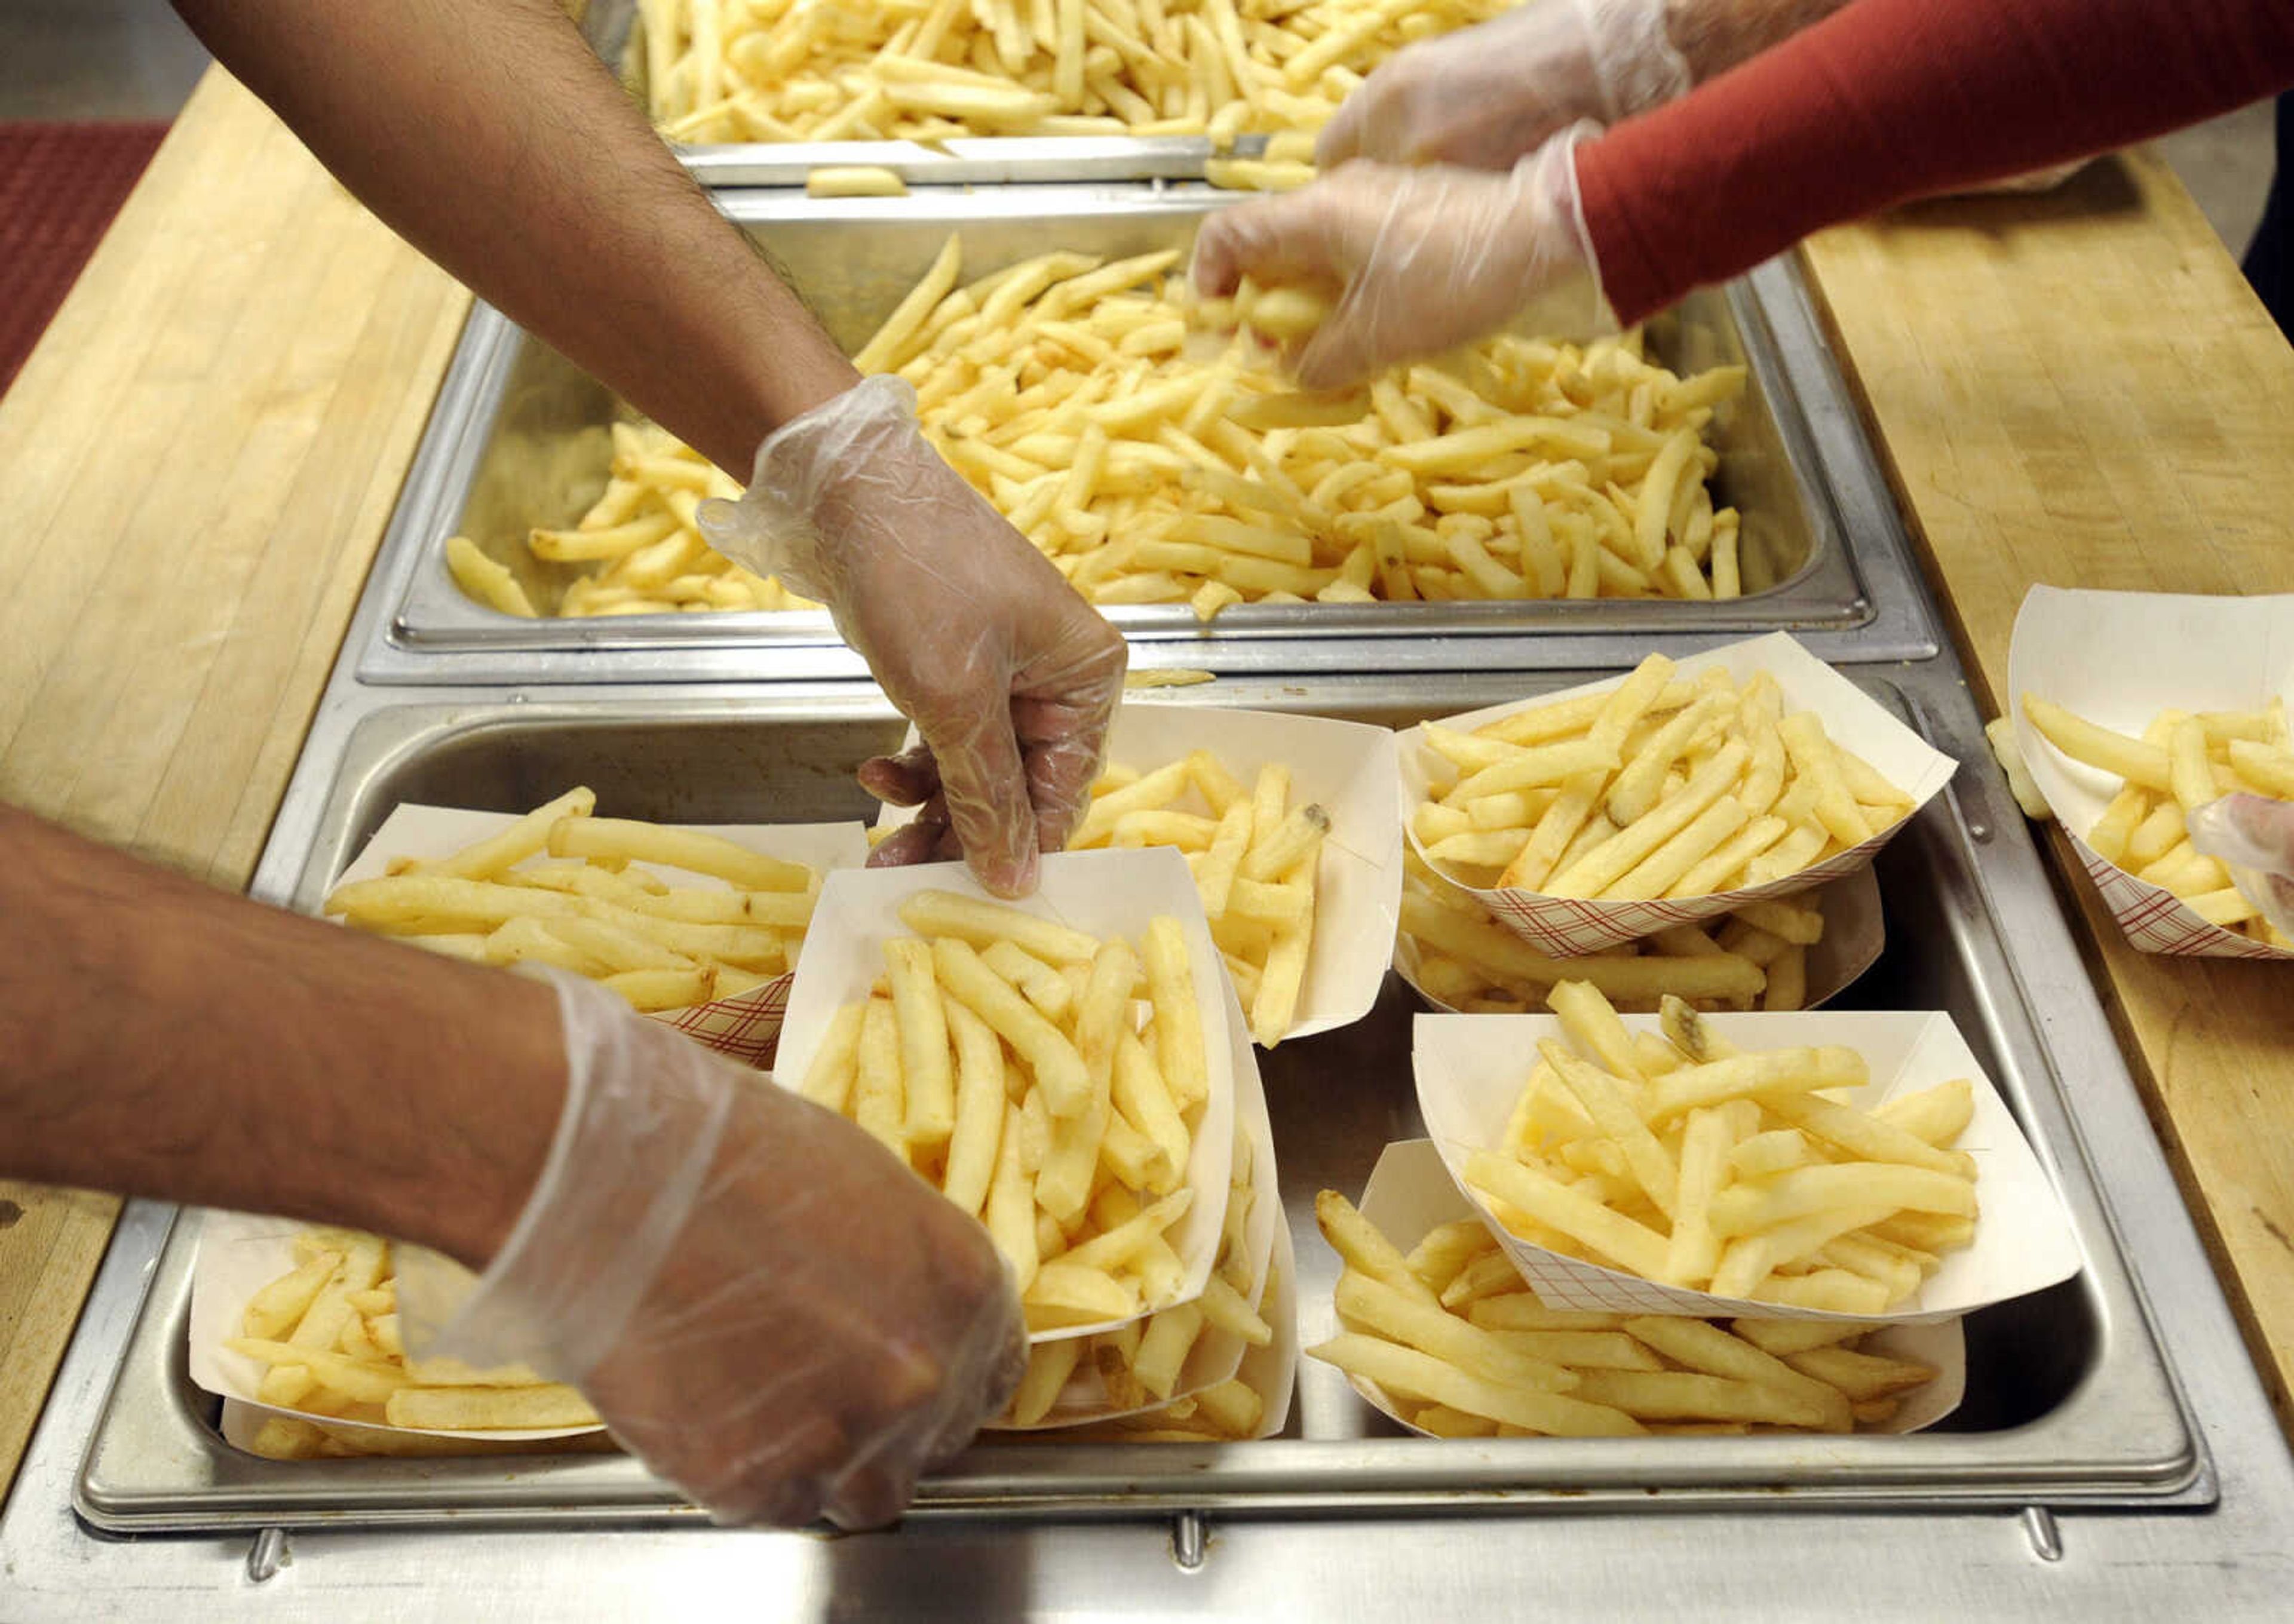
[{"x": 60, "y": 186}]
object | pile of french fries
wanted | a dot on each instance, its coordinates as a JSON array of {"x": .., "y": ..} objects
[
  {"x": 1685, "y": 1161},
  {"x": 587, "y": 910},
  {"x": 327, "y": 1332},
  {"x": 1462, "y": 956},
  {"x": 1223, "y": 1412},
  {"x": 1144, "y": 1359},
  {"x": 640, "y": 543},
  {"x": 1067, "y": 390},
  {"x": 1253, "y": 855},
  {"x": 1659, "y": 788},
  {"x": 1464, "y": 1350},
  {"x": 738, "y": 71},
  {"x": 2181, "y": 762},
  {"x": 1005, "y": 1062}
]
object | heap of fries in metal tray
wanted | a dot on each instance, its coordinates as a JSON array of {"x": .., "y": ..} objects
[
  {"x": 1075, "y": 396},
  {"x": 778, "y": 70}
]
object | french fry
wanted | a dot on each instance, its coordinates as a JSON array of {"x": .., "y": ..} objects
[
  {"x": 1448, "y": 1372},
  {"x": 2180, "y": 763},
  {"x": 1740, "y": 1174}
]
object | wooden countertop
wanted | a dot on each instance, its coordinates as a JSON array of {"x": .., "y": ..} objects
[
  {"x": 2081, "y": 391},
  {"x": 202, "y": 455},
  {"x": 200, "y": 460}
]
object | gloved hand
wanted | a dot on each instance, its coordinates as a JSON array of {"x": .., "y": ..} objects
[
  {"x": 1484, "y": 96},
  {"x": 1008, "y": 674},
  {"x": 1424, "y": 258},
  {"x": 2253, "y": 836},
  {"x": 767, "y": 1309}
]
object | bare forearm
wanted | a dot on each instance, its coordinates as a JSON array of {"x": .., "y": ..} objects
[
  {"x": 486, "y": 133},
  {"x": 160, "y": 1038},
  {"x": 1716, "y": 35}
]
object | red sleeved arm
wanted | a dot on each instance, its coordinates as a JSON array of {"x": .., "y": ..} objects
[{"x": 1895, "y": 99}]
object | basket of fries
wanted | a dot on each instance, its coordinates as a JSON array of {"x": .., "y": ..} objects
[
  {"x": 1439, "y": 1333},
  {"x": 697, "y": 926},
  {"x": 1678, "y": 792},
  {"x": 2124, "y": 750}
]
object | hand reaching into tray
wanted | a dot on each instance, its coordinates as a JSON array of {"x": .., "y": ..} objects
[
  {"x": 1424, "y": 258},
  {"x": 1009, "y": 675}
]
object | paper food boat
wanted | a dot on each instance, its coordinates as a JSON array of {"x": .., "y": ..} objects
[
  {"x": 1470, "y": 1069},
  {"x": 1348, "y": 768},
  {"x": 747, "y": 1027},
  {"x": 2196, "y": 653},
  {"x": 238, "y": 1255},
  {"x": 1563, "y": 926},
  {"x": 1854, "y": 934},
  {"x": 1217, "y": 1354},
  {"x": 1103, "y": 893},
  {"x": 1409, "y": 1193}
]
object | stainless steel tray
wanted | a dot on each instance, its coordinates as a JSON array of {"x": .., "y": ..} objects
[
  {"x": 515, "y": 441},
  {"x": 2069, "y": 1400}
]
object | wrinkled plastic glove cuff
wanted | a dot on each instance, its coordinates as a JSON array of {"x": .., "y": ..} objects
[
  {"x": 1573, "y": 305},
  {"x": 635, "y": 1139},
  {"x": 1633, "y": 56},
  {"x": 773, "y": 528}
]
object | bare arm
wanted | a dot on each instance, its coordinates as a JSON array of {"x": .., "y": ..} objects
[
  {"x": 486, "y": 133},
  {"x": 161, "y": 1038}
]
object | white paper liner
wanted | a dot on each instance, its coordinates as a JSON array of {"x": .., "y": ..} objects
[
  {"x": 1103, "y": 893},
  {"x": 2117, "y": 659},
  {"x": 1409, "y": 1193},
  {"x": 1470, "y": 1070},
  {"x": 238, "y": 1255},
  {"x": 747, "y": 1027},
  {"x": 1563, "y": 926},
  {"x": 1855, "y": 932},
  {"x": 1348, "y": 768}
]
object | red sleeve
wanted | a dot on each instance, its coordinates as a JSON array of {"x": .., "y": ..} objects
[{"x": 1894, "y": 99}]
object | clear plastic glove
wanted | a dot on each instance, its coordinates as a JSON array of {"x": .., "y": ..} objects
[
  {"x": 1008, "y": 674},
  {"x": 1424, "y": 258},
  {"x": 2253, "y": 836},
  {"x": 1486, "y": 95},
  {"x": 767, "y": 1308}
]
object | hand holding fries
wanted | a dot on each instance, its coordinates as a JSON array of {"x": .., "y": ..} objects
[
  {"x": 1428, "y": 258},
  {"x": 757, "y": 1300},
  {"x": 1009, "y": 677}
]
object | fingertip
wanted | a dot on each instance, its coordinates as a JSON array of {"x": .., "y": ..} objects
[
  {"x": 1010, "y": 875},
  {"x": 1212, "y": 269},
  {"x": 916, "y": 843}
]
